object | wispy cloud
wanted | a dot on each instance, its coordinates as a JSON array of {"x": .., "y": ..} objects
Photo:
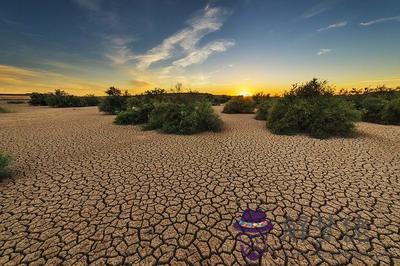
[
  {"x": 323, "y": 51},
  {"x": 140, "y": 83},
  {"x": 10, "y": 22},
  {"x": 209, "y": 20},
  {"x": 98, "y": 12},
  {"x": 380, "y": 20},
  {"x": 201, "y": 54},
  {"x": 120, "y": 52},
  {"x": 319, "y": 8},
  {"x": 333, "y": 26},
  {"x": 181, "y": 46}
]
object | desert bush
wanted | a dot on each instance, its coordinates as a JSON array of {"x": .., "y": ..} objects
[
  {"x": 391, "y": 112},
  {"x": 38, "y": 99},
  {"x": 373, "y": 107},
  {"x": 60, "y": 98},
  {"x": 311, "y": 108},
  {"x": 239, "y": 105},
  {"x": 3, "y": 110},
  {"x": 191, "y": 118},
  {"x": 262, "y": 109},
  {"x": 4, "y": 161},
  {"x": 134, "y": 115},
  {"x": 16, "y": 102},
  {"x": 260, "y": 98},
  {"x": 90, "y": 100},
  {"x": 114, "y": 102},
  {"x": 333, "y": 117}
]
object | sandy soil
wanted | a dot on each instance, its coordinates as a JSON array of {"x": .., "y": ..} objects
[{"x": 86, "y": 191}]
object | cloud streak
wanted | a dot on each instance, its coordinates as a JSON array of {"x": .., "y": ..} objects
[
  {"x": 201, "y": 54},
  {"x": 210, "y": 20},
  {"x": 318, "y": 9},
  {"x": 98, "y": 12},
  {"x": 380, "y": 20},
  {"x": 183, "y": 43},
  {"x": 333, "y": 26},
  {"x": 323, "y": 51}
]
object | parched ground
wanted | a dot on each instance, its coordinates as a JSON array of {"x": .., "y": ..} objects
[{"x": 85, "y": 191}]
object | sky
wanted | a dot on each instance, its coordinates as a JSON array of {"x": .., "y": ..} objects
[{"x": 220, "y": 47}]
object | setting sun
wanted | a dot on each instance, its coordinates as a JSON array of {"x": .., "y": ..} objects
[{"x": 244, "y": 92}]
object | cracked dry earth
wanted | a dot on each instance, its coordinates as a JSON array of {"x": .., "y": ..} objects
[{"x": 85, "y": 191}]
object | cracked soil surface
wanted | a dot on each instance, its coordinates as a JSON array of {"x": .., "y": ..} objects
[{"x": 86, "y": 191}]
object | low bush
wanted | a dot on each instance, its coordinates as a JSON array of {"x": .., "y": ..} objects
[
  {"x": 60, "y": 98},
  {"x": 38, "y": 99},
  {"x": 3, "y": 110},
  {"x": 16, "y": 102},
  {"x": 90, "y": 100},
  {"x": 260, "y": 98},
  {"x": 135, "y": 115},
  {"x": 4, "y": 161},
  {"x": 114, "y": 102},
  {"x": 311, "y": 108},
  {"x": 391, "y": 112},
  {"x": 263, "y": 109},
  {"x": 372, "y": 108},
  {"x": 239, "y": 105},
  {"x": 190, "y": 118}
]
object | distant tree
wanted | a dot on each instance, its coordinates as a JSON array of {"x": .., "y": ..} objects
[
  {"x": 114, "y": 103},
  {"x": 112, "y": 91}
]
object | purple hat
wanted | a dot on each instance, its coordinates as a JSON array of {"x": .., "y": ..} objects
[{"x": 253, "y": 222}]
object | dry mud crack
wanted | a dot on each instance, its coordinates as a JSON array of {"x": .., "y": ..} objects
[{"x": 85, "y": 191}]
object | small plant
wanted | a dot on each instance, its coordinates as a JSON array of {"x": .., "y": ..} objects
[
  {"x": 38, "y": 99},
  {"x": 391, "y": 112},
  {"x": 135, "y": 115},
  {"x": 191, "y": 118},
  {"x": 89, "y": 100},
  {"x": 263, "y": 109},
  {"x": 3, "y": 110},
  {"x": 60, "y": 98},
  {"x": 4, "y": 161},
  {"x": 239, "y": 105},
  {"x": 114, "y": 102},
  {"x": 373, "y": 107}
]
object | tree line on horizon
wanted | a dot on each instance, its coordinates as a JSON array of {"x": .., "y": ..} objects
[{"x": 301, "y": 109}]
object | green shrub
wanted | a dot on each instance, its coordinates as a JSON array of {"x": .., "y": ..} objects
[
  {"x": 60, "y": 98},
  {"x": 3, "y": 110},
  {"x": 191, "y": 118},
  {"x": 289, "y": 116},
  {"x": 38, "y": 99},
  {"x": 89, "y": 100},
  {"x": 260, "y": 98},
  {"x": 239, "y": 105},
  {"x": 134, "y": 116},
  {"x": 333, "y": 117},
  {"x": 4, "y": 161},
  {"x": 311, "y": 108},
  {"x": 262, "y": 109},
  {"x": 373, "y": 109},
  {"x": 391, "y": 112},
  {"x": 114, "y": 102}
]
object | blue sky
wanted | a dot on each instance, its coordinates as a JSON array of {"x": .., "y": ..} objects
[{"x": 84, "y": 46}]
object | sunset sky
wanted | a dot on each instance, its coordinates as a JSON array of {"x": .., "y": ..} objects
[{"x": 231, "y": 47}]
